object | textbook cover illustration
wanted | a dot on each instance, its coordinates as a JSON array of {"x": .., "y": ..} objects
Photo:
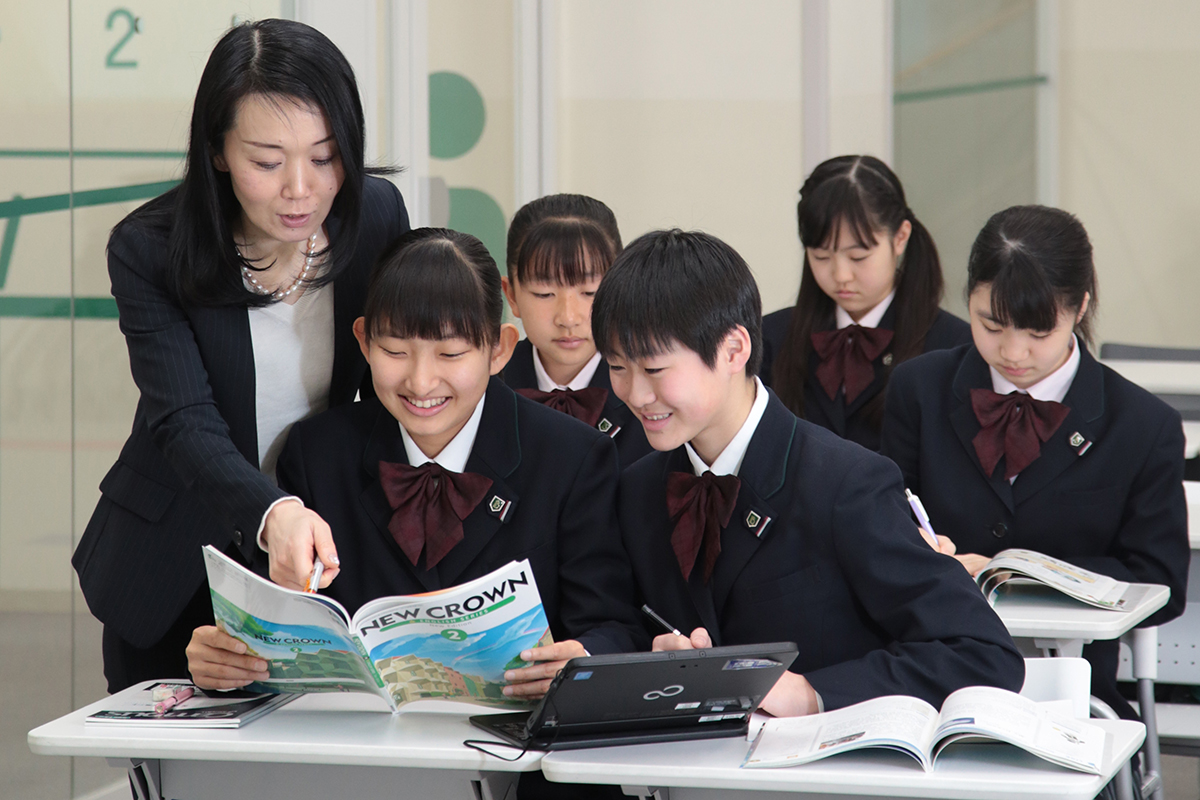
[
  {"x": 454, "y": 644},
  {"x": 1016, "y": 567},
  {"x": 912, "y": 726}
]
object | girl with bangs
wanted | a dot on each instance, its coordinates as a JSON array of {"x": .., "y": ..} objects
[
  {"x": 559, "y": 247},
  {"x": 1022, "y": 439},
  {"x": 869, "y": 294},
  {"x": 447, "y": 474}
]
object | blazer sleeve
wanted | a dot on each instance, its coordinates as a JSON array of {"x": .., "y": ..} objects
[
  {"x": 596, "y": 579},
  {"x": 901, "y": 439},
  {"x": 1151, "y": 545},
  {"x": 181, "y": 414},
  {"x": 944, "y": 635}
]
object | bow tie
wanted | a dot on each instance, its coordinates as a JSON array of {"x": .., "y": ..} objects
[
  {"x": 701, "y": 507},
  {"x": 847, "y": 358},
  {"x": 585, "y": 404},
  {"x": 1014, "y": 426},
  {"x": 429, "y": 504}
]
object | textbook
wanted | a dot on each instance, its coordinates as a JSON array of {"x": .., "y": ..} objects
[
  {"x": 454, "y": 644},
  {"x": 1016, "y": 567},
  {"x": 912, "y": 726},
  {"x": 216, "y": 710}
]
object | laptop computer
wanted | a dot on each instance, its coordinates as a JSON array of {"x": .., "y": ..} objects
[{"x": 633, "y": 698}]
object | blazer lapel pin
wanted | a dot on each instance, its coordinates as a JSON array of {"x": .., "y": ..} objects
[
  {"x": 1080, "y": 444},
  {"x": 757, "y": 523}
]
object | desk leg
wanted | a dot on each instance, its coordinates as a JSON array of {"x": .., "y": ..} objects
[
  {"x": 145, "y": 776},
  {"x": 647, "y": 792},
  {"x": 497, "y": 785},
  {"x": 1063, "y": 648},
  {"x": 1152, "y": 785}
]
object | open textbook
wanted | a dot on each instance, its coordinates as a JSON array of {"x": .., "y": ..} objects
[
  {"x": 453, "y": 644},
  {"x": 910, "y": 725},
  {"x": 1017, "y": 567}
]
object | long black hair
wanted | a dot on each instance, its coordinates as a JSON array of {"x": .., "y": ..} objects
[
  {"x": 285, "y": 62},
  {"x": 566, "y": 239},
  {"x": 864, "y": 193},
  {"x": 1038, "y": 261}
]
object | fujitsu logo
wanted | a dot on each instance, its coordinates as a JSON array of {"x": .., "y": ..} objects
[{"x": 666, "y": 691}]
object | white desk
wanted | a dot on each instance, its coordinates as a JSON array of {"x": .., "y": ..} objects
[
  {"x": 331, "y": 745},
  {"x": 1055, "y": 621},
  {"x": 708, "y": 770}
]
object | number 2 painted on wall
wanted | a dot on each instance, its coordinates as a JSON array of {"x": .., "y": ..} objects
[{"x": 111, "y": 61}]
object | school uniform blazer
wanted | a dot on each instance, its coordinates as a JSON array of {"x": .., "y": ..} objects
[
  {"x": 623, "y": 426},
  {"x": 556, "y": 480},
  {"x": 188, "y": 474},
  {"x": 1118, "y": 508},
  {"x": 821, "y": 550},
  {"x": 850, "y": 422}
]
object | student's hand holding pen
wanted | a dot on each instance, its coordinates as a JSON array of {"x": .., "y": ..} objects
[
  {"x": 294, "y": 535},
  {"x": 699, "y": 640},
  {"x": 943, "y": 544}
]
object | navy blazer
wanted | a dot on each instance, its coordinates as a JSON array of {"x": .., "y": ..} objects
[
  {"x": 556, "y": 479},
  {"x": 1118, "y": 508},
  {"x": 850, "y": 422},
  {"x": 617, "y": 420},
  {"x": 188, "y": 474},
  {"x": 821, "y": 550}
]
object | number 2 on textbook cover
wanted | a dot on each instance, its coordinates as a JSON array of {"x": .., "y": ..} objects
[{"x": 454, "y": 644}]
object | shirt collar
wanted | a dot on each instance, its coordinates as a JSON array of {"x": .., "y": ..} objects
[
  {"x": 1052, "y": 388},
  {"x": 730, "y": 460},
  {"x": 871, "y": 319},
  {"x": 455, "y": 454},
  {"x": 580, "y": 381}
]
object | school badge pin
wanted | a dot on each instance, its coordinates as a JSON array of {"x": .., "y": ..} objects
[
  {"x": 757, "y": 523},
  {"x": 499, "y": 506},
  {"x": 752, "y": 520},
  {"x": 1076, "y": 439},
  {"x": 604, "y": 426},
  {"x": 887, "y": 359}
]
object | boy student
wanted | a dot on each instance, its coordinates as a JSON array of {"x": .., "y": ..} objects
[
  {"x": 751, "y": 525},
  {"x": 559, "y": 247},
  {"x": 447, "y": 474}
]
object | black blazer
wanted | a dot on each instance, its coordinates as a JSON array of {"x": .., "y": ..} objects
[
  {"x": 821, "y": 550},
  {"x": 618, "y": 420},
  {"x": 1118, "y": 509},
  {"x": 850, "y": 422},
  {"x": 559, "y": 476},
  {"x": 188, "y": 474}
]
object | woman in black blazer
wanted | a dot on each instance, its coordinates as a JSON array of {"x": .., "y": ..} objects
[
  {"x": 1024, "y": 440},
  {"x": 869, "y": 295},
  {"x": 236, "y": 292}
]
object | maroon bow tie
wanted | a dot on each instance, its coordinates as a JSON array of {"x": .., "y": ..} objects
[
  {"x": 701, "y": 507},
  {"x": 1014, "y": 426},
  {"x": 848, "y": 358},
  {"x": 429, "y": 504},
  {"x": 583, "y": 404}
]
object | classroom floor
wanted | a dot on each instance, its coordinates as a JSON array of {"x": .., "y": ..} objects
[{"x": 36, "y": 665}]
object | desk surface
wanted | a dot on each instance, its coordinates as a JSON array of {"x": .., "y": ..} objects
[
  {"x": 1049, "y": 614},
  {"x": 350, "y": 729},
  {"x": 976, "y": 772}
]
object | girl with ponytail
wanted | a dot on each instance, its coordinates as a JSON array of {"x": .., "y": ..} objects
[{"x": 869, "y": 295}]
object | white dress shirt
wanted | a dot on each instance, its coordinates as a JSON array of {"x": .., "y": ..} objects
[
  {"x": 546, "y": 383},
  {"x": 455, "y": 454},
  {"x": 871, "y": 319},
  {"x": 730, "y": 460}
]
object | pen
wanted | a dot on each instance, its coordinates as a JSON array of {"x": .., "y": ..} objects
[
  {"x": 914, "y": 503},
  {"x": 654, "y": 616},
  {"x": 177, "y": 697},
  {"x": 315, "y": 579}
]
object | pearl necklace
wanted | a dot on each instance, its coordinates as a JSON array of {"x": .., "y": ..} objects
[{"x": 279, "y": 294}]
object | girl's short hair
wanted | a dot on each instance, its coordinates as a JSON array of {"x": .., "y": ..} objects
[
  {"x": 863, "y": 193},
  {"x": 1038, "y": 261},
  {"x": 566, "y": 239},
  {"x": 284, "y": 62},
  {"x": 434, "y": 283},
  {"x": 681, "y": 287}
]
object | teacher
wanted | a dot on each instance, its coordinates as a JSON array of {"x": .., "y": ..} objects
[{"x": 236, "y": 293}]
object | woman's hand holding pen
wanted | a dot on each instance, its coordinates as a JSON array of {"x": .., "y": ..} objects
[{"x": 292, "y": 535}]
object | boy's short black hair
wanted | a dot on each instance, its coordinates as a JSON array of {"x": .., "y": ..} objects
[
  {"x": 434, "y": 283},
  {"x": 676, "y": 286}
]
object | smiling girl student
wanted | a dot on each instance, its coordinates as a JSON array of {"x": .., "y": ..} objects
[
  {"x": 559, "y": 247},
  {"x": 869, "y": 295},
  {"x": 1022, "y": 439}
]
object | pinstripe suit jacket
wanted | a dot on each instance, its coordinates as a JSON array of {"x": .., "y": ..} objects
[{"x": 188, "y": 474}]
